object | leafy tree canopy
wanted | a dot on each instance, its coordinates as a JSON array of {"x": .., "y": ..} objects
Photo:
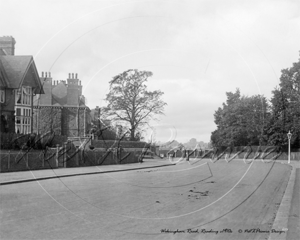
[
  {"x": 252, "y": 121},
  {"x": 240, "y": 121},
  {"x": 285, "y": 111},
  {"x": 131, "y": 103}
]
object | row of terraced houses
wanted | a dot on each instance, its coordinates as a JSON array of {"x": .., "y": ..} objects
[{"x": 30, "y": 103}]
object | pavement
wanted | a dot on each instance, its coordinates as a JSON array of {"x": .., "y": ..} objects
[
  {"x": 294, "y": 219},
  {"x": 45, "y": 174},
  {"x": 287, "y": 217}
]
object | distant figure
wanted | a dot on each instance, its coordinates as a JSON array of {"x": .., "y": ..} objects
[
  {"x": 187, "y": 155},
  {"x": 201, "y": 152}
]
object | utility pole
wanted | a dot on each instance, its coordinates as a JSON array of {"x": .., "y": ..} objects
[{"x": 289, "y": 153}]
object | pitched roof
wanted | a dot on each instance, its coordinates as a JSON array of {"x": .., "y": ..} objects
[
  {"x": 3, "y": 77},
  {"x": 16, "y": 68}
]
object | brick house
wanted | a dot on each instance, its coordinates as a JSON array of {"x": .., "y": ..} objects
[
  {"x": 19, "y": 82},
  {"x": 62, "y": 108}
]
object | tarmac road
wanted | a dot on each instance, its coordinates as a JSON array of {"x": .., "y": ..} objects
[{"x": 188, "y": 201}]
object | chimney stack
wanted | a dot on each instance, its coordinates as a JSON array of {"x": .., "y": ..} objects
[{"x": 7, "y": 43}]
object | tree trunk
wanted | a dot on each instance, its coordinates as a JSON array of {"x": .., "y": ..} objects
[{"x": 132, "y": 134}]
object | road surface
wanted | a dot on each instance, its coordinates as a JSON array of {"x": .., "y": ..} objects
[{"x": 196, "y": 200}]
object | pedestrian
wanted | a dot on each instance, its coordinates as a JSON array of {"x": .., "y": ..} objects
[{"x": 187, "y": 156}]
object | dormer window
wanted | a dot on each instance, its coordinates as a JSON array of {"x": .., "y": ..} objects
[
  {"x": 2, "y": 96},
  {"x": 23, "y": 96}
]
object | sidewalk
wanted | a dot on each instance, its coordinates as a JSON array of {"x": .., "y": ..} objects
[
  {"x": 287, "y": 217},
  {"x": 28, "y": 176}
]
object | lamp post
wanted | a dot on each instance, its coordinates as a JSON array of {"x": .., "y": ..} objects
[{"x": 289, "y": 154}]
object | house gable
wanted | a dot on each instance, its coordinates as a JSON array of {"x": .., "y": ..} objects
[
  {"x": 21, "y": 70},
  {"x": 32, "y": 79}
]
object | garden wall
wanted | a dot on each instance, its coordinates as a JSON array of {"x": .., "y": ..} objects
[
  {"x": 114, "y": 143},
  {"x": 11, "y": 161},
  {"x": 96, "y": 157},
  {"x": 69, "y": 156}
]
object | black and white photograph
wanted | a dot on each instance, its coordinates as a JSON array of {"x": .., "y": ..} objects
[{"x": 150, "y": 119}]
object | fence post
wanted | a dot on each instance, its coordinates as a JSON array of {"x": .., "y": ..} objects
[
  {"x": 26, "y": 160},
  {"x": 45, "y": 155},
  {"x": 43, "y": 160},
  {"x": 65, "y": 155},
  {"x": 81, "y": 154},
  {"x": 134, "y": 156},
  {"x": 95, "y": 157},
  {"x": 8, "y": 163},
  {"x": 56, "y": 158},
  {"x": 75, "y": 156},
  {"x": 118, "y": 155}
]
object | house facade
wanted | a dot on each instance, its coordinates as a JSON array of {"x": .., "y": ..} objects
[
  {"x": 62, "y": 107},
  {"x": 19, "y": 83}
]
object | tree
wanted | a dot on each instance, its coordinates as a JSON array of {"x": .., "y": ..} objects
[
  {"x": 285, "y": 110},
  {"x": 130, "y": 102},
  {"x": 240, "y": 121},
  {"x": 191, "y": 144}
]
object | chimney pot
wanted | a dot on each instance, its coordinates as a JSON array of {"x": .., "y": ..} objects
[
  {"x": 49, "y": 74},
  {"x": 42, "y": 74},
  {"x": 45, "y": 74},
  {"x": 72, "y": 75},
  {"x": 76, "y": 75},
  {"x": 69, "y": 75}
]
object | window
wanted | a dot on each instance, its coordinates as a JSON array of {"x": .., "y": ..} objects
[
  {"x": 23, "y": 113},
  {"x": 23, "y": 96},
  {"x": 2, "y": 96},
  {"x": 23, "y": 120}
]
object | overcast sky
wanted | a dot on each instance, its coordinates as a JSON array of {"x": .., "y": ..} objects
[{"x": 197, "y": 50}]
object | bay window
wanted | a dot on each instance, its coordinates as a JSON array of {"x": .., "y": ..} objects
[
  {"x": 2, "y": 96},
  {"x": 23, "y": 110}
]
